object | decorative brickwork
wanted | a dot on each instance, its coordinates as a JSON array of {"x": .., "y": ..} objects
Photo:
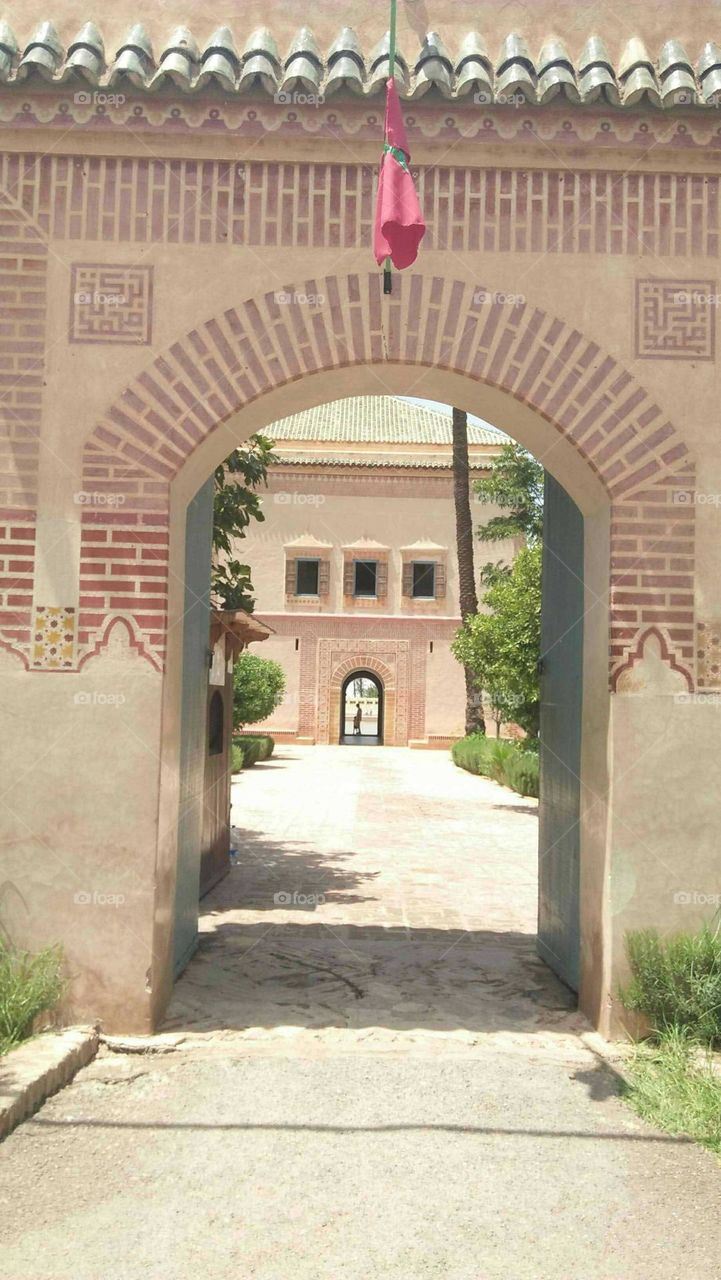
[
  {"x": 709, "y": 654},
  {"x": 299, "y": 205},
  {"x": 22, "y": 352},
  {"x": 652, "y": 569},
  {"x": 389, "y": 659},
  {"x": 676, "y": 319},
  {"x": 596, "y": 404},
  {"x": 111, "y": 304}
]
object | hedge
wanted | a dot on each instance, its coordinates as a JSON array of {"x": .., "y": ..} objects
[
  {"x": 512, "y": 764},
  {"x": 249, "y": 748}
]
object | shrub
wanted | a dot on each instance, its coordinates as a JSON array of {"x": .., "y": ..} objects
[
  {"x": 29, "y": 985},
  {"x": 258, "y": 688},
  {"x": 510, "y": 763},
  {"x": 249, "y": 748},
  {"x": 676, "y": 982}
]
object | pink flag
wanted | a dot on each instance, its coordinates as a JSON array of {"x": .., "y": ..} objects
[{"x": 399, "y": 226}]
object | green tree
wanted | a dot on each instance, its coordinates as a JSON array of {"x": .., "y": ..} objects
[
  {"x": 502, "y": 647},
  {"x": 258, "y": 688},
  {"x": 236, "y": 503},
  {"x": 515, "y": 484}
]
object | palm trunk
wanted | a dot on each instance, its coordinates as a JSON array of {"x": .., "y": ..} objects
[{"x": 468, "y": 596}]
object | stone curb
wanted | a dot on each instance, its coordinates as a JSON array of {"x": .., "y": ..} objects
[{"x": 34, "y": 1071}]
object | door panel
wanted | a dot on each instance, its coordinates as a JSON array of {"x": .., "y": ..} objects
[
  {"x": 196, "y": 638},
  {"x": 561, "y": 707}
]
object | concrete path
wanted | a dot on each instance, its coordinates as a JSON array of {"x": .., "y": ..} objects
[{"x": 388, "y": 1086}]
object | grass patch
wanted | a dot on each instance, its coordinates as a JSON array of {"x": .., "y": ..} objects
[
  {"x": 513, "y": 764},
  {"x": 674, "y": 1087},
  {"x": 676, "y": 982},
  {"x": 249, "y": 748},
  {"x": 29, "y": 985}
]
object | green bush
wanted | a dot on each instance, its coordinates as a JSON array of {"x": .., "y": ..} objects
[
  {"x": 511, "y": 763},
  {"x": 29, "y": 985},
  {"x": 676, "y": 982},
  {"x": 249, "y": 748}
]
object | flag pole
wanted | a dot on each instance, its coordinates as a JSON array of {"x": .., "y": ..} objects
[{"x": 387, "y": 277}]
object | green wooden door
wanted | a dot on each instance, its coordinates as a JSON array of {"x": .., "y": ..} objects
[
  {"x": 561, "y": 705},
  {"x": 196, "y": 638}
]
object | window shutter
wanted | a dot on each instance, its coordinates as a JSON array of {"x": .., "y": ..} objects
[
  {"x": 290, "y": 577},
  {"x": 381, "y": 580},
  {"x": 324, "y": 577},
  {"x": 440, "y": 580},
  {"x": 348, "y": 578},
  {"x": 408, "y": 579}
]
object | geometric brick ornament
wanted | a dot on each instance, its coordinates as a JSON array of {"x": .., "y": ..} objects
[
  {"x": 675, "y": 319},
  {"x": 111, "y": 304}
]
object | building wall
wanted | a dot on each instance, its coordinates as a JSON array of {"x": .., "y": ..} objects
[{"x": 338, "y": 507}]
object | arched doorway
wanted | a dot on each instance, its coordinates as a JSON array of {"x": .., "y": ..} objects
[{"x": 361, "y": 710}]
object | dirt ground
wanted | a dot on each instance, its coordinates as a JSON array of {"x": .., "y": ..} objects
[{"x": 383, "y": 1083}]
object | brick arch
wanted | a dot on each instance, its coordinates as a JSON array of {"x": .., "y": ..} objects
[
  {"x": 236, "y": 357},
  {"x": 363, "y": 660}
]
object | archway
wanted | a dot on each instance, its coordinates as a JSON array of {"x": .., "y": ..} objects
[
  {"x": 361, "y": 710},
  {"x": 574, "y": 406}
]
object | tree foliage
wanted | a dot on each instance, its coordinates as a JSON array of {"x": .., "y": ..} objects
[
  {"x": 502, "y": 646},
  {"x": 258, "y": 688},
  {"x": 236, "y": 504},
  {"x": 515, "y": 484}
]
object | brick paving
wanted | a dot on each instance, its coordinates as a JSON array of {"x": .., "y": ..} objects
[{"x": 385, "y": 890}]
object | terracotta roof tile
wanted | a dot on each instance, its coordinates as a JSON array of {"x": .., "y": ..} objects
[
  {"x": 664, "y": 78},
  {"x": 377, "y": 420}
]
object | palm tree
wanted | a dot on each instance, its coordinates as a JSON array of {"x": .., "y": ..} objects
[{"x": 475, "y": 722}]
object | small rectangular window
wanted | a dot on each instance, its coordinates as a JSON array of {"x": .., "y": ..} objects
[
  {"x": 306, "y": 577},
  {"x": 365, "y": 578},
  {"x": 424, "y": 580}
]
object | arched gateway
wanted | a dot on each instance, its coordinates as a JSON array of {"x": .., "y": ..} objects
[{"x": 161, "y": 307}]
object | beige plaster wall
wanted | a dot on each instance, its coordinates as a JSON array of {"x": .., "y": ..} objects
[
  {"x": 285, "y": 717},
  {"x": 81, "y": 763},
  {"x": 445, "y": 693}
]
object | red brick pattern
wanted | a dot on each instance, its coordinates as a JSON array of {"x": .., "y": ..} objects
[
  {"x": 270, "y": 204},
  {"x": 111, "y": 304},
  {"x": 652, "y": 569},
  {"x": 23, "y": 262},
  {"x": 676, "y": 319},
  {"x": 234, "y": 358},
  {"x": 123, "y": 551}
]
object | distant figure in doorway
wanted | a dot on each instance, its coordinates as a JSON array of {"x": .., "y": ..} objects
[{"x": 357, "y": 718}]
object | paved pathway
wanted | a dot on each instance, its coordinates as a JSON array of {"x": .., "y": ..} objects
[
  {"x": 412, "y": 890},
  {"x": 388, "y": 1086}
]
